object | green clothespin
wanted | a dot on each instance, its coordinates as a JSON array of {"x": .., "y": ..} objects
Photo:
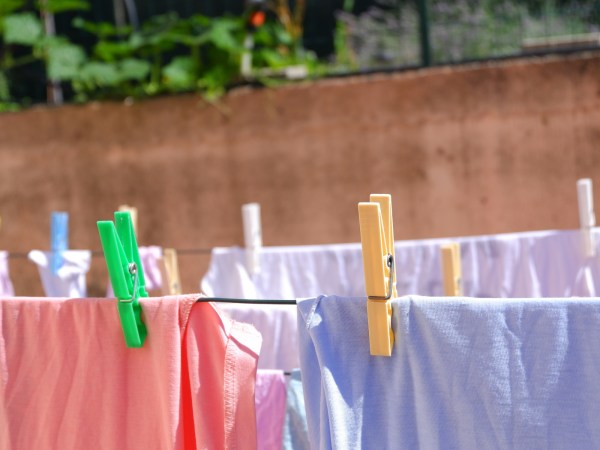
[{"x": 126, "y": 274}]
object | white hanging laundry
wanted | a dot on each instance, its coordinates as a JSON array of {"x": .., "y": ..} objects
[
  {"x": 6, "y": 286},
  {"x": 519, "y": 265},
  {"x": 69, "y": 281}
]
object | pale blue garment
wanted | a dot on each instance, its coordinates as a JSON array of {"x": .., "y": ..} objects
[
  {"x": 465, "y": 374},
  {"x": 295, "y": 429}
]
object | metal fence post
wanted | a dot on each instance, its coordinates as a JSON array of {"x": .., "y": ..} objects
[{"x": 424, "y": 32}]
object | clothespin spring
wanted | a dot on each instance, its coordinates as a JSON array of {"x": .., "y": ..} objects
[
  {"x": 133, "y": 271},
  {"x": 390, "y": 264}
]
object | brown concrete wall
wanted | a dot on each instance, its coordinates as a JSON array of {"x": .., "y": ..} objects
[{"x": 468, "y": 150}]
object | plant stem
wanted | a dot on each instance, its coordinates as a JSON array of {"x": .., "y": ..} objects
[
  {"x": 23, "y": 60},
  {"x": 156, "y": 66}
]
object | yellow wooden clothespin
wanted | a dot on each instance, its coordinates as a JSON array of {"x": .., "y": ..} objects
[
  {"x": 452, "y": 269},
  {"x": 132, "y": 210},
  {"x": 377, "y": 238},
  {"x": 170, "y": 272}
]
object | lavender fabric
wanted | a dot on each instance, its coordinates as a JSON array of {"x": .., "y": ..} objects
[{"x": 270, "y": 393}]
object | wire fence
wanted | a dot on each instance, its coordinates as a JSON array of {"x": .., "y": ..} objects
[{"x": 393, "y": 33}]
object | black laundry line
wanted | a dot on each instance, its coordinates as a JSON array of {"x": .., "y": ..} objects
[{"x": 252, "y": 301}]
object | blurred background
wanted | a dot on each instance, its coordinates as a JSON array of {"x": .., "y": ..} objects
[{"x": 477, "y": 116}]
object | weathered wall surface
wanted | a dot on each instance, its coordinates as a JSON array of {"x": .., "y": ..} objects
[{"x": 471, "y": 150}]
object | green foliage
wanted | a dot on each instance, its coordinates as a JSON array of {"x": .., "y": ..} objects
[
  {"x": 63, "y": 59},
  {"x": 134, "y": 69},
  {"x": 22, "y": 28},
  {"x": 9, "y": 6},
  {"x": 170, "y": 54},
  {"x": 99, "y": 75},
  {"x": 167, "y": 54},
  {"x": 4, "y": 90},
  {"x": 181, "y": 74},
  {"x": 59, "y": 6}
]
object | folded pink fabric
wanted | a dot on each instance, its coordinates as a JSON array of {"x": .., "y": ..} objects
[
  {"x": 67, "y": 381},
  {"x": 222, "y": 357}
]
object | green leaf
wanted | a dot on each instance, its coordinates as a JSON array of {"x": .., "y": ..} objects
[
  {"x": 283, "y": 37},
  {"x": 200, "y": 20},
  {"x": 181, "y": 73},
  {"x": 272, "y": 58},
  {"x": 134, "y": 69},
  {"x": 264, "y": 36},
  {"x": 64, "y": 60},
  {"x": 111, "y": 51},
  {"x": 58, "y": 6},
  {"x": 22, "y": 28},
  {"x": 8, "y": 6},
  {"x": 221, "y": 34},
  {"x": 216, "y": 79},
  {"x": 8, "y": 107},
  {"x": 102, "y": 29},
  {"x": 137, "y": 40},
  {"x": 100, "y": 74}
]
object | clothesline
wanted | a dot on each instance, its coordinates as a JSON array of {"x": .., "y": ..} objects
[
  {"x": 253, "y": 301},
  {"x": 100, "y": 253}
]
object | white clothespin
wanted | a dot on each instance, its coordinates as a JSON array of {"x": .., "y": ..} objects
[
  {"x": 252, "y": 236},
  {"x": 587, "y": 218},
  {"x": 377, "y": 239},
  {"x": 452, "y": 269}
]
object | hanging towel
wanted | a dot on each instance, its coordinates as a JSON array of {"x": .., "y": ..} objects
[
  {"x": 150, "y": 258},
  {"x": 270, "y": 396},
  {"x": 6, "y": 286},
  {"x": 465, "y": 373},
  {"x": 295, "y": 429},
  {"x": 67, "y": 380},
  {"x": 69, "y": 281}
]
